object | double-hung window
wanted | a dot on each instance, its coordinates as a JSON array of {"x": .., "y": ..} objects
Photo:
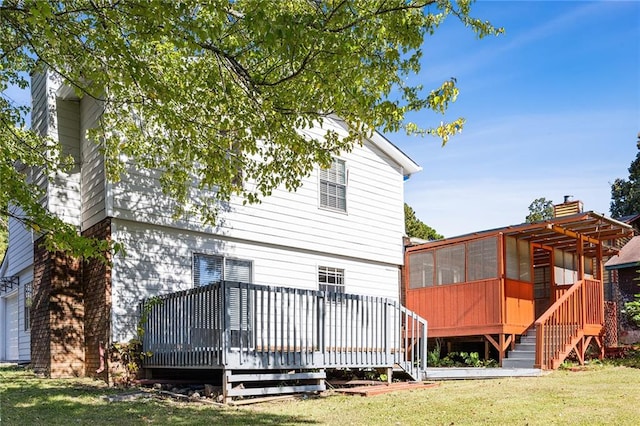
[
  {"x": 331, "y": 279},
  {"x": 333, "y": 186},
  {"x": 208, "y": 269}
]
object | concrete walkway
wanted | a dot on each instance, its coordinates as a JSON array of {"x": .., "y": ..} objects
[{"x": 462, "y": 373}]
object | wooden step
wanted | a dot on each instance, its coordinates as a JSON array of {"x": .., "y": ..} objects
[{"x": 263, "y": 383}]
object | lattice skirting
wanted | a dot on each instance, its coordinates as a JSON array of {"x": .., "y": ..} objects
[{"x": 610, "y": 324}]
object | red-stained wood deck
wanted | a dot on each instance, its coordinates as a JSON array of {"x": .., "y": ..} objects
[{"x": 475, "y": 308}]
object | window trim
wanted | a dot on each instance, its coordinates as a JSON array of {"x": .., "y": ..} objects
[{"x": 344, "y": 185}]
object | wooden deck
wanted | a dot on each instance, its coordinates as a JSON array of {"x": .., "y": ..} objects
[
  {"x": 240, "y": 326},
  {"x": 475, "y": 308}
]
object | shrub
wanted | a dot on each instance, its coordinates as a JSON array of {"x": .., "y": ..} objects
[{"x": 632, "y": 311}]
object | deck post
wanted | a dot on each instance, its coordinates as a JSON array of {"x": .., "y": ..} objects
[
  {"x": 226, "y": 385},
  {"x": 226, "y": 322}
]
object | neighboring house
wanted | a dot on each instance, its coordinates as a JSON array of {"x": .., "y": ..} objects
[
  {"x": 527, "y": 294},
  {"x": 340, "y": 231},
  {"x": 624, "y": 276},
  {"x": 610, "y": 278}
]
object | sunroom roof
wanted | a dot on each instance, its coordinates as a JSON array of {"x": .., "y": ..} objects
[{"x": 560, "y": 232}]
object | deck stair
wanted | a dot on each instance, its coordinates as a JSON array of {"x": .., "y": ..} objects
[
  {"x": 243, "y": 383},
  {"x": 524, "y": 353},
  {"x": 571, "y": 323}
]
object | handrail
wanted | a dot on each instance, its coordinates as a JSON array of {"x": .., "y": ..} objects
[
  {"x": 566, "y": 319},
  {"x": 414, "y": 344},
  {"x": 247, "y": 326}
]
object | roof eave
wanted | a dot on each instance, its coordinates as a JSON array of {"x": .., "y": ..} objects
[
  {"x": 409, "y": 166},
  {"x": 622, "y": 266}
]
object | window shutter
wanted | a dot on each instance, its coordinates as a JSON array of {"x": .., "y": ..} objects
[
  {"x": 240, "y": 271},
  {"x": 237, "y": 270}
]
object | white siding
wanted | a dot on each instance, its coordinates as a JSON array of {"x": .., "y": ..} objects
[
  {"x": 159, "y": 260},
  {"x": 371, "y": 229},
  {"x": 93, "y": 172},
  {"x": 20, "y": 248},
  {"x": 64, "y": 188},
  {"x": 59, "y": 119},
  {"x": 39, "y": 104},
  {"x": 40, "y": 119},
  {"x": 23, "y": 338},
  {"x": 26, "y": 276},
  {"x": 287, "y": 237}
]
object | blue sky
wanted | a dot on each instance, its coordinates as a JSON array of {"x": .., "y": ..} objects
[{"x": 552, "y": 109}]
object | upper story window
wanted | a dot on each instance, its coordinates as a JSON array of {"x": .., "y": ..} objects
[
  {"x": 331, "y": 279},
  {"x": 209, "y": 269},
  {"x": 333, "y": 186}
]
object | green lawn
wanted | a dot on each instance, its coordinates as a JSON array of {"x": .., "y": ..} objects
[{"x": 598, "y": 395}]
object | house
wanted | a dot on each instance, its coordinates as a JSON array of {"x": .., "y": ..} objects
[
  {"x": 340, "y": 233},
  {"x": 624, "y": 278},
  {"x": 610, "y": 279},
  {"x": 527, "y": 294}
]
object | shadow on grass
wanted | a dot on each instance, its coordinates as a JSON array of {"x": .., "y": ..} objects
[{"x": 26, "y": 399}]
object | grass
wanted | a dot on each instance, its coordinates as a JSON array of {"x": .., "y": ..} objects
[{"x": 604, "y": 394}]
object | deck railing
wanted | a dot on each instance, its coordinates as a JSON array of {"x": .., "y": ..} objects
[
  {"x": 246, "y": 326},
  {"x": 580, "y": 307}
]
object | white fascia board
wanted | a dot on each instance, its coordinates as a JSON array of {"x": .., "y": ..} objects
[{"x": 409, "y": 166}]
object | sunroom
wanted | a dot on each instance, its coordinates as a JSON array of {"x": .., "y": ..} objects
[{"x": 495, "y": 286}]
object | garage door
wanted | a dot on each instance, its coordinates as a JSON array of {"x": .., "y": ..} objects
[{"x": 11, "y": 328}]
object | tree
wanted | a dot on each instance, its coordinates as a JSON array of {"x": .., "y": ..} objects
[
  {"x": 202, "y": 91},
  {"x": 625, "y": 194},
  {"x": 414, "y": 227},
  {"x": 540, "y": 209},
  {"x": 3, "y": 236}
]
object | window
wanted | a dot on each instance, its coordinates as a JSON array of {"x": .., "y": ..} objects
[
  {"x": 450, "y": 264},
  {"x": 331, "y": 279},
  {"x": 333, "y": 186},
  {"x": 208, "y": 269},
  {"x": 482, "y": 259},
  {"x": 565, "y": 267},
  {"x": 541, "y": 280},
  {"x": 28, "y": 302},
  {"x": 518, "y": 259},
  {"x": 465, "y": 261},
  {"x": 421, "y": 269}
]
